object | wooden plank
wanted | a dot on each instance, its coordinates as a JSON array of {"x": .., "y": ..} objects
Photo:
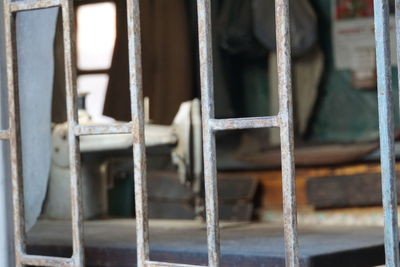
[{"x": 345, "y": 191}]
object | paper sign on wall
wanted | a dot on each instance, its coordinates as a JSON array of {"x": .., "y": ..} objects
[{"x": 353, "y": 34}]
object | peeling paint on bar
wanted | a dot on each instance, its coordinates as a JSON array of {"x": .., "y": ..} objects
[
  {"x": 18, "y": 6},
  {"x": 386, "y": 128},
  {"x": 284, "y": 120},
  {"x": 286, "y": 131},
  {"x": 136, "y": 127},
  {"x": 244, "y": 123},
  {"x": 124, "y": 128},
  {"x": 45, "y": 261},
  {"x": 207, "y": 107},
  {"x": 73, "y": 141},
  {"x": 15, "y": 135},
  {"x": 139, "y": 153},
  {"x": 165, "y": 264},
  {"x": 15, "y": 140},
  {"x": 4, "y": 135}
]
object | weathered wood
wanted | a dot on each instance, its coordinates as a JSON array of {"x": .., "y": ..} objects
[{"x": 345, "y": 191}]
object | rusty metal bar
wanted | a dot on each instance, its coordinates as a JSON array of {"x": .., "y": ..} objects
[
  {"x": 286, "y": 133},
  {"x": 73, "y": 140},
  {"x": 386, "y": 128},
  {"x": 15, "y": 134},
  {"x": 4, "y": 135},
  {"x": 207, "y": 107},
  {"x": 164, "y": 264},
  {"x": 124, "y": 128},
  {"x": 139, "y": 152},
  {"x": 32, "y": 260},
  {"x": 284, "y": 120},
  {"x": 210, "y": 125},
  {"x": 15, "y": 150},
  {"x": 244, "y": 123},
  {"x": 32, "y": 5}
]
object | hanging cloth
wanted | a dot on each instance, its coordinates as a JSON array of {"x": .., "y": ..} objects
[{"x": 248, "y": 27}]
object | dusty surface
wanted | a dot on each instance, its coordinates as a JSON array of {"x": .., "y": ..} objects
[{"x": 112, "y": 243}]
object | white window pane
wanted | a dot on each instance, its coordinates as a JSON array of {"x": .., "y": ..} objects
[
  {"x": 95, "y": 86},
  {"x": 96, "y": 35}
]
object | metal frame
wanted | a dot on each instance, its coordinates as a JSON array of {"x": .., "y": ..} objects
[
  {"x": 284, "y": 120},
  {"x": 14, "y": 136},
  {"x": 210, "y": 126}
]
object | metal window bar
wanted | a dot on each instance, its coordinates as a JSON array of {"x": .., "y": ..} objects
[
  {"x": 283, "y": 120},
  {"x": 383, "y": 63},
  {"x": 210, "y": 125},
  {"x": 13, "y": 134}
]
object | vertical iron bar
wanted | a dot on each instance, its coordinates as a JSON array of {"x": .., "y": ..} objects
[
  {"x": 397, "y": 18},
  {"x": 15, "y": 134},
  {"x": 139, "y": 155},
  {"x": 389, "y": 198},
  {"x": 286, "y": 131},
  {"x": 7, "y": 250},
  {"x": 73, "y": 140},
  {"x": 207, "y": 106}
]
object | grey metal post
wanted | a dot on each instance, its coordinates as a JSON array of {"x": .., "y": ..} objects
[{"x": 389, "y": 196}]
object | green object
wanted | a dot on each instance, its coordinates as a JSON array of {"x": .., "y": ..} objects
[
  {"x": 247, "y": 85},
  {"x": 121, "y": 198},
  {"x": 343, "y": 113},
  {"x": 256, "y": 93}
]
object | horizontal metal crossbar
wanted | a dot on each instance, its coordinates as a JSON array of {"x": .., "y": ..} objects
[
  {"x": 32, "y": 5},
  {"x": 244, "y": 123},
  {"x": 124, "y": 128},
  {"x": 45, "y": 261},
  {"x": 165, "y": 264},
  {"x": 4, "y": 135}
]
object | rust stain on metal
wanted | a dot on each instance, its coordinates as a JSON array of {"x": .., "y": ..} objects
[
  {"x": 32, "y": 5},
  {"x": 73, "y": 140},
  {"x": 136, "y": 127},
  {"x": 15, "y": 134},
  {"x": 4, "y": 135},
  {"x": 139, "y": 155},
  {"x": 244, "y": 123},
  {"x": 45, "y": 261},
  {"x": 164, "y": 264},
  {"x": 207, "y": 106},
  {"x": 123, "y": 128},
  {"x": 286, "y": 126}
]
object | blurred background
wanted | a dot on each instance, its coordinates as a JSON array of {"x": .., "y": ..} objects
[
  {"x": 334, "y": 91},
  {"x": 335, "y": 107}
]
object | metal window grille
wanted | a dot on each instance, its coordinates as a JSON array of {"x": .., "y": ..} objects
[
  {"x": 283, "y": 120},
  {"x": 210, "y": 125},
  {"x": 14, "y": 135}
]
